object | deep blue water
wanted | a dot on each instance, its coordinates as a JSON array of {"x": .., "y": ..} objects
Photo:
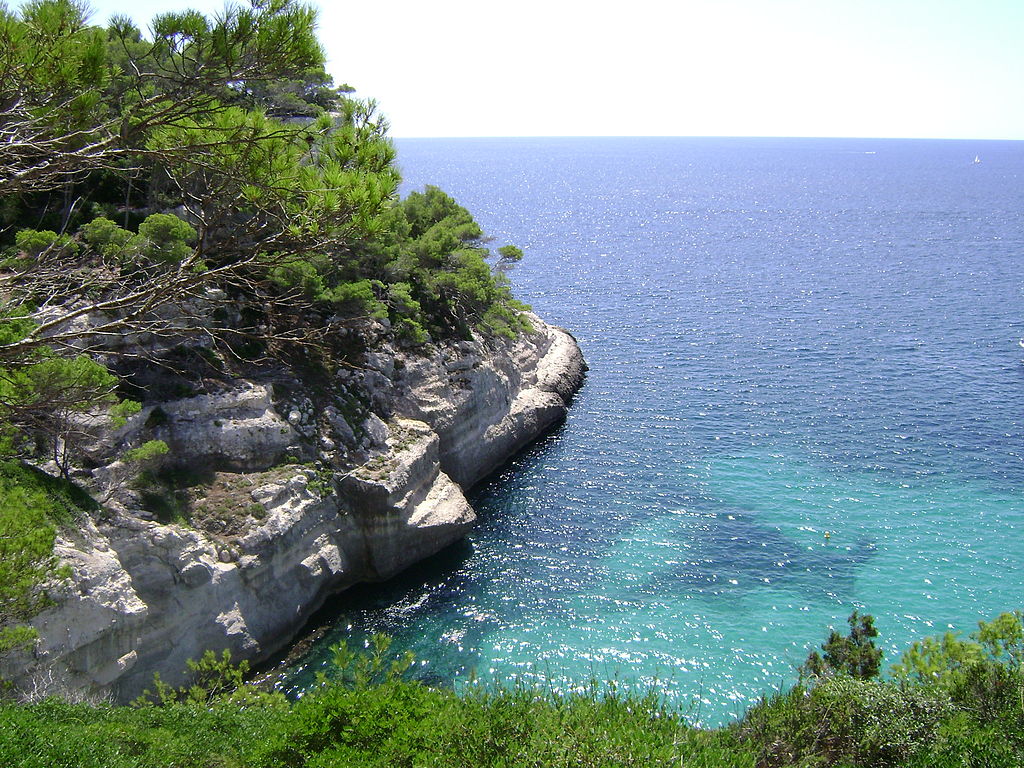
[{"x": 786, "y": 337}]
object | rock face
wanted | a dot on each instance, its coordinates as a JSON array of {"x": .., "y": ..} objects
[
  {"x": 485, "y": 408},
  {"x": 373, "y": 491}
]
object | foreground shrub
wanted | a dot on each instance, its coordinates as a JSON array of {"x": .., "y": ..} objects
[
  {"x": 390, "y": 725},
  {"x": 845, "y": 721},
  {"x": 962, "y": 742},
  {"x": 407, "y": 724},
  {"x": 369, "y": 715},
  {"x": 55, "y": 734}
]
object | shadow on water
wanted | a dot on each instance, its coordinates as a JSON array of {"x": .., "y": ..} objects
[
  {"x": 436, "y": 577},
  {"x": 737, "y": 555},
  {"x": 546, "y": 445}
]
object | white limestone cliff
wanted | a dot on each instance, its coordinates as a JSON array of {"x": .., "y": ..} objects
[{"x": 379, "y": 495}]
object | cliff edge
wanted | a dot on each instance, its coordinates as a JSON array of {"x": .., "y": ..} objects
[{"x": 284, "y": 493}]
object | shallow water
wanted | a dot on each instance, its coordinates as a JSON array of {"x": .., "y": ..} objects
[{"x": 786, "y": 338}]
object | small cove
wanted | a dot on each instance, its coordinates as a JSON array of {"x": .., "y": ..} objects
[{"x": 786, "y": 338}]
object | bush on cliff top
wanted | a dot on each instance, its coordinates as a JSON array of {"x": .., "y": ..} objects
[
  {"x": 140, "y": 172},
  {"x": 208, "y": 173},
  {"x": 206, "y": 180}
]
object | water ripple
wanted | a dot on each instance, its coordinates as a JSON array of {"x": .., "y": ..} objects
[{"x": 805, "y": 395}]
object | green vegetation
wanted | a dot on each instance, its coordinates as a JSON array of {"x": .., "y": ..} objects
[
  {"x": 140, "y": 173},
  {"x": 41, "y": 393},
  {"x": 368, "y": 714},
  {"x": 433, "y": 253},
  {"x": 207, "y": 181},
  {"x": 945, "y": 659},
  {"x": 855, "y": 655},
  {"x": 211, "y": 171},
  {"x": 32, "y": 504},
  {"x": 945, "y": 705},
  {"x": 148, "y": 452}
]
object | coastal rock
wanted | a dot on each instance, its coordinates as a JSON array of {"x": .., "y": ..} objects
[
  {"x": 487, "y": 401},
  {"x": 99, "y": 620},
  {"x": 239, "y": 429},
  {"x": 146, "y": 596},
  {"x": 405, "y": 506}
]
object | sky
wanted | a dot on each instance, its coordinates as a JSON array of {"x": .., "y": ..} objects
[{"x": 849, "y": 68}]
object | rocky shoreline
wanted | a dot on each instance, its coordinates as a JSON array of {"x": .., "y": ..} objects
[{"x": 315, "y": 503}]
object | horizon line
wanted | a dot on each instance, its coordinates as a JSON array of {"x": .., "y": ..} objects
[{"x": 708, "y": 136}]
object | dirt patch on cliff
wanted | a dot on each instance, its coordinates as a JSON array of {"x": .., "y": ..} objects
[{"x": 218, "y": 503}]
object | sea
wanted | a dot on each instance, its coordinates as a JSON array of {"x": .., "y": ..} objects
[{"x": 805, "y": 396}]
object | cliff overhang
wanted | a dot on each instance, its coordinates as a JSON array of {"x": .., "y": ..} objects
[{"x": 302, "y": 495}]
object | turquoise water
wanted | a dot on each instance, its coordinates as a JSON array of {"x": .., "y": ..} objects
[{"x": 787, "y": 339}]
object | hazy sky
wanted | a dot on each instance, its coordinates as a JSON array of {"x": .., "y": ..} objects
[{"x": 878, "y": 68}]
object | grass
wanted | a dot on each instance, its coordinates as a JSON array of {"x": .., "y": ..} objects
[{"x": 394, "y": 723}]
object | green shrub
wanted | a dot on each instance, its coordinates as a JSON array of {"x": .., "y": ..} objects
[
  {"x": 166, "y": 239},
  {"x": 877, "y": 723},
  {"x": 855, "y": 654},
  {"x": 213, "y": 680},
  {"x": 147, "y": 453},
  {"x": 984, "y": 674},
  {"x": 31, "y": 506},
  {"x": 110, "y": 240},
  {"x": 34, "y": 243},
  {"x": 845, "y": 720},
  {"x": 299, "y": 274},
  {"x": 55, "y": 734},
  {"x": 510, "y": 253},
  {"x": 359, "y": 297},
  {"x": 989, "y": 691},
  {"x": 121, "y": 411},
  {"x": 961, "y": 742},
  {"x": 406, "y": 313}
]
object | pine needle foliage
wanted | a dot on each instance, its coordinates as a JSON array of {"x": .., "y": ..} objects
[{"x": 205, "y": 179}]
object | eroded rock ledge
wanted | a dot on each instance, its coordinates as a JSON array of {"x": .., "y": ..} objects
[{"x": 367, "y": 493}]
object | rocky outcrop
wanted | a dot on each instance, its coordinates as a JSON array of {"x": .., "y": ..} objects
[
  {"x": 485, "y": 407},
  {"x": 377, "y": 484}
]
